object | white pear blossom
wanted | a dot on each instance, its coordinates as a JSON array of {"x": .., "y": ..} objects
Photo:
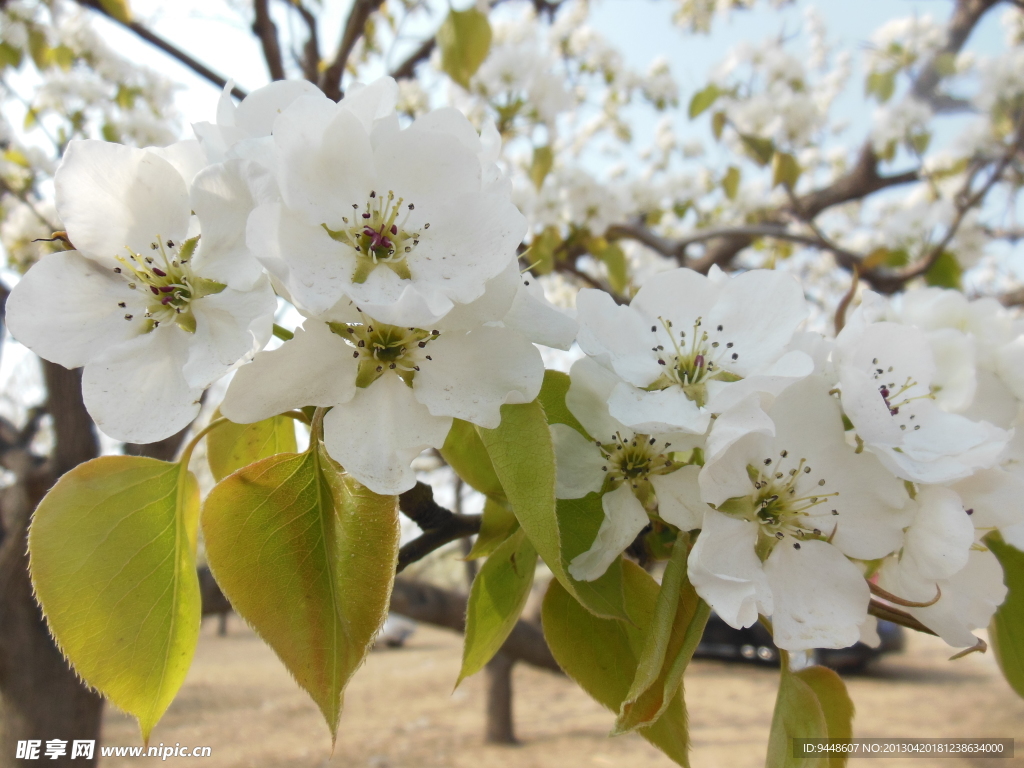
[
  {"x": 689, "y": 346},
  {"x": 887, "y": 375},
  {"x": 153, "y": 314},
  {"x": 638, "y": 473},
  {"x": 394, "y": 390},
  {"x": 789, "y": 501},
  {"x": 407, "y": 222}
]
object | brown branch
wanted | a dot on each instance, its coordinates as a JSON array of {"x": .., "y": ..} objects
[
  {"x": 965, "y": 17},
  {"x": 439, "y": 525},
  {"x": 171, "y": 50},
  {"x": 310, "y": 59},
  {"x": 407, "y": 69},
  {"x": 266, "y": 30},
  {"x": 355, "y": 26}
]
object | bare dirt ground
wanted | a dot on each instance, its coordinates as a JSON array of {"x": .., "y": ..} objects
[{"x": 400, "y": 712}]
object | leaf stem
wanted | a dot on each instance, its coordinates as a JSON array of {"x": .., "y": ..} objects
[{"x": 186, "y": 455}]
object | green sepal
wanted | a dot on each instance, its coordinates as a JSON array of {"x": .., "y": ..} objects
[
  {"x": 112, "y": 552},
  {"x": 496, "y": 600}
]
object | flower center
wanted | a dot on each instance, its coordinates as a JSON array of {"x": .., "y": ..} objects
[
  {"x": 898, "y": 397},
  {"x": 380, "y": 347},
  {"x": 690, "y": 365},
  {"x": 378, "y": 237},
  {"x": 633, "y": 460},
  {"x": 168, "y": 282},
  {"x": 782, "y": 503}
]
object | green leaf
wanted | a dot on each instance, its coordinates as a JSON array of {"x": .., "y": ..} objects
[
  {"x": 811, "y": 704},
  {"x": 119, "y": 9},
  {"x": 1006, "y": 632},
  {"x": 785, "y": 170},
  {"x": 496, "y": 600},
  {"x": 307, "y": 556},
  {"x": 465, "y": 453},
  {"x": 761, "y": 150},
  {"x": 731, "y": 182},
  {"x": 39, "y": 48},
  {"x": 464, "y": 39},
  {"x": 112, "y": 555},
  {"x": 945, "y": 272},
  {"x": 602, "y": 655},
  {"x": 10, "y": 56},
  {"x": 110, "y": 133},
  {"x": 718, "y": 121},
  {"x": 233, "y": 446},
  {"x": 63, "y": 57},
  {"x": 881, "y": 85},
  {"x": 543, "y": 159},
  {"x": 552, "y": 398},
  {"x": 703, "y": 99},
  {"x": 498, "y": 524},
  {"x": 618, "y": 268},
  {"x": 524, "y": 460},
  {"x": 672, "y": 637},
  {"x": 541, "y": 254}
]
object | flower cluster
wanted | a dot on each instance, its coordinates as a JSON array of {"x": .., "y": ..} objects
[
  {"x": 397, "y": 245},
  {"x": 818, "y": 471}
]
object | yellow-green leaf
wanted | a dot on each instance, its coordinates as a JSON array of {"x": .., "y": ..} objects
[
  {"x": 233, "y": 446},
  {"x": 601, "y": 655},
  {"x": 945, "y": 272},
  {"x": 39, "y": 47},
  {"x": 523, "y": 458},
  {"x": 618, "y": 268},
  {"x": 464, "y": 40},
  {"x": 497, "y": 524},
  {"x": 703, "y": 99},
  {"x": 1006, "y": 632},
  {"x": 882, "y": 85},
  {"x": 496, "y": 599},
  {"x": 112, "y": 554},
  {"x": 718, "y": 121},
  {"x": 307, "y": 556},
  {"x": 552, "y": 398},
  {"x": 760, "y": 149},
  {"x": 785, "y": 169},
  {"x": 119, "y": 9},
  {"x": 541, "y": 254},
  {"x": 731, "y": 182},
  {"x": 466, "y": 454},
  {"x": 811, "y": 704},
  {"x": 675, "y": 630},
  {"x": 10, "y": 56},
  {"x": 543, "y": 159}
]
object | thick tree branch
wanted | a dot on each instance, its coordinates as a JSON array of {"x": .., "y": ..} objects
[
  {"x": 439, "y": 525},
  {"x": 171, "y": 50},
  {"x": 310, "y": 59},
  {"x": 266, "y": 30},
  {"x": 355, "y": 26},
  {"x": 407, "y": 69}
]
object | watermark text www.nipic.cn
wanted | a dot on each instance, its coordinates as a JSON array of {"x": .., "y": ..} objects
[{"x": 52, "y": 749}]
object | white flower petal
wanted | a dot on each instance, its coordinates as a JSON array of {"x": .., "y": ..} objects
[
  {"x": 378, "y": 433},
  {"x": 612, "y": 335},
  {"x": 136, "y": 392},
  {"x": 186, "y": 157},
  {"x": 940, "y": 536},
  {"x": 772, "y": 380},
  {"x": 231, "y": 327},
  {"x": 820, "y": 597},
  {"x": 578, "y": 463},
  {"x": 725, "y": 571},
  {"x": 678, "y": 296},
  {"x": 256, "y": 113},
  {"x": 587, "y": 399},
  {"x": 65, "y": 309},
  {"x": 371, "y": 102},
  {"x": 110, "y": 197},
  {"x": 473, "y": 374},
  {"x": 624, "y": 518},
  {"x": 679, "y": 501},
  {"x": 657, "y": 411},
  {"x": 316, "y": 367},
  {"x": 537, "y": 319}
]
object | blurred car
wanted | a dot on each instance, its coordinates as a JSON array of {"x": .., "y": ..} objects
[
  {"x": 754, "y": 644},
  {"x": 395, "y": 632}
]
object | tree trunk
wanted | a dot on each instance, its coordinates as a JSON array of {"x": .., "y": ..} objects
[
  {"x": 500, "y": 727},
  {"x": 41, "y": 698}
]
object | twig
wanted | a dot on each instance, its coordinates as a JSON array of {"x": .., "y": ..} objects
[
  {"x": 154, "y": 39},
  {"x": 407, "y": 69},
  {"x": 310, "y": 60},
  {"x": 266, "y": 30},
  {"x": 439, "y": 525},
  {"x": 355, "y": 26}
]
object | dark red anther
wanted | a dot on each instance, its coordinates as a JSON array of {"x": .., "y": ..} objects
[
  {"x": 698, "y": 361},
  {"x": 160, "y": 272},
  {"x": 884, "y": 391},
  {"x": 894, "y": 411},
  {"x": 386, "y": 242},
  {"x": 166, "y": 288},
  {"x": 153, "y": 288},
  {"x": 165, "y": 300},
  {"x": 370, "y": 232},
  {"x": 969, "y": 511},
  {"x": 366, "y": 215},
  {"x": 394, "y": 229}
]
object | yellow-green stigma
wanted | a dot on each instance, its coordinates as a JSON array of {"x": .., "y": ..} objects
[
  {"x": 377, "y": 236},
  {"x": 168, "y": 282},
  {"x": 691, "y": 364},
  {"x": 380, "y": 347}
]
